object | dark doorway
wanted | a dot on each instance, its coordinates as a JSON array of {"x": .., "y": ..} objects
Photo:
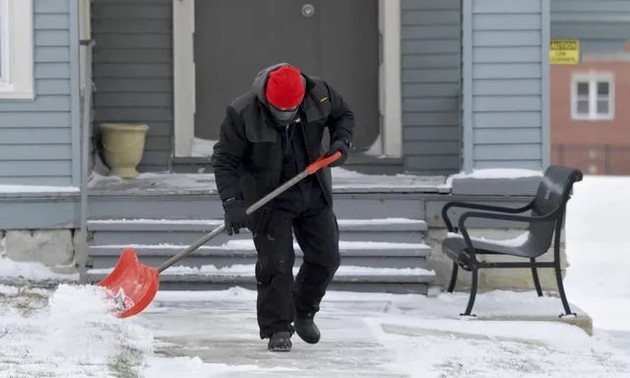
[{"x": 337, "y": 40}]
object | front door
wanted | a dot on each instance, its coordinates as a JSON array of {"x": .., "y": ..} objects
[{"x": 337, "y": 40}]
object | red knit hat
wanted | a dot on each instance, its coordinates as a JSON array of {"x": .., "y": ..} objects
[{"x": 285, "y": 87}]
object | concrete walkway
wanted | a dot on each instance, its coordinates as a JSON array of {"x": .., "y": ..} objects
[
  {"x": 208, "y": 330},
  {"x": 222, "y": 329}
]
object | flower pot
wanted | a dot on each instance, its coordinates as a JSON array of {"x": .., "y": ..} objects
[{"x": 123, "y": 147}]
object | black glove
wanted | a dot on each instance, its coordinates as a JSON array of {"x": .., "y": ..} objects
[
  {"x": 341, "y": 146},
  {"x": 235, "y": 216}
]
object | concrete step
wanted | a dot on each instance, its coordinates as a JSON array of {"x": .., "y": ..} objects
[
  {"x": 202, "y": 205},
  {"x": 357, "y": 162},
  {"x": 368, "y": 254},
  {"x": 160, "y": 231},
  {"x": 349, "y": 278}
]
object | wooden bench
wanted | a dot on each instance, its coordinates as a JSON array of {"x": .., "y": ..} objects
[{"x": 544, "y": 217}]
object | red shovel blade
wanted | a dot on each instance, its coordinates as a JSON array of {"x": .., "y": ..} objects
[{"x": 132, "y": 285}]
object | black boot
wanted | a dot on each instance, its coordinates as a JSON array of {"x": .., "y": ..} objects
[
  {"x": 306, "y": 328},
  {"x": 280, "y": 342}
]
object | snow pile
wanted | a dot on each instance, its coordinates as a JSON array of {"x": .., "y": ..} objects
[
  {"x": 202, "y": 147},
  {"x": 20, "y": 189},
  {"x": 493, "y": 173},
  {"x": 454, "y": 348},
  {"x": 598, "y": 248},
  {"x": 32, "y": 271},
  {"x": 497, "y": 173},
  {"x": 73, "y": 333}
]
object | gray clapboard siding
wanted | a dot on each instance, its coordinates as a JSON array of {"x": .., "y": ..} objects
[
  {"x": 40, "y": 152},
  {"x": 133, "y": 71},
  {"x": 39, "y": 138},
  {"x": 505, "y": 111},
  {"x": 601, "y": 26},
  {"x": 431, "y": 85}
]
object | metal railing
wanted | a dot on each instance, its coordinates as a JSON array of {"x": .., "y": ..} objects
[{"x": 593, "y": 160}]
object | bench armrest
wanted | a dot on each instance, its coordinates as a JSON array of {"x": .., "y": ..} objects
[{"x": 478, "y": 206}]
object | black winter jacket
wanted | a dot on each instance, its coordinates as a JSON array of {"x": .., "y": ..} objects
[{"x": 247, "y": 159}]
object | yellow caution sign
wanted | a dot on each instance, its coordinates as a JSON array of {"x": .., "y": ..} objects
[{"x": 564, "y": 51}]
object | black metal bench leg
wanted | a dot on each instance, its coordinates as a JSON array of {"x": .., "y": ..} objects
[
  {"x": 535, "y": 276},
  {"x": 473, "y": 291},
  {"x": 563, "y": 295},
  {"x": 451, "y": 285}
]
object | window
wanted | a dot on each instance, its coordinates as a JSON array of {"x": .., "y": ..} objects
[
  {"x": 593, "y": 97},
  {"x": 16, "y": 49}
]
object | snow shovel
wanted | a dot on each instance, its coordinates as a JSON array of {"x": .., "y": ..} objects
[{"x": 133, "y": 285}]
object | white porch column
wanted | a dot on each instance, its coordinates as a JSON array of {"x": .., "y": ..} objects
[
  {"x": 390, "y": 92},
  {"x": 184, "y": 75}
]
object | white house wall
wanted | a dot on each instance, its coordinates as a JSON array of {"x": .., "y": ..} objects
[
  {"x": 133, "y": 71},
  {"x": 505, "y": 76},
  {"x": 431, "y": 85},
  {"x": 39, "y": 140},
  {"x": 40, "y": 137}
]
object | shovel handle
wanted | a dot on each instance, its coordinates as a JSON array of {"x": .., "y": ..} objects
[
  {"x": 190, "y": 249},
  {"x": 322, "y": 162},
  {"x": 318, "y": 164}
]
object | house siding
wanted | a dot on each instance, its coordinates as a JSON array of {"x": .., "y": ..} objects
[
  {"x": 133, "y": 71},
  {"x": 431, "y": 85},
  {"x": 39, "y": 142},
  {"x": 600, "y": 26},
  {"x": 505, "y": 79}
]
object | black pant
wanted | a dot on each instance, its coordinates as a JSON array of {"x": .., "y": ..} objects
[{"x": 317, "y": 233}]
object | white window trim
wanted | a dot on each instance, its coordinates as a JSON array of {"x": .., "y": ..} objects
[
  {"x": 17, "y": 49},
  {"x": 593, "y": 78},
  {"x": 4, "y": 42}
]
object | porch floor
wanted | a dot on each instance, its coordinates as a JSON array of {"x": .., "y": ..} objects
[{"x": 344, "y": 181}]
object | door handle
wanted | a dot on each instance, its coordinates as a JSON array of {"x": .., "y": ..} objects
[{"x": 308, "y": 10}]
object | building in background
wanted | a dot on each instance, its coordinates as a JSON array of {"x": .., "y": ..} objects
[{"x": 590, "y": 120}]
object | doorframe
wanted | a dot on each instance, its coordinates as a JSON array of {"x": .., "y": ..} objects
[
  {"x": 184, "y": 102},
  {"x": 389, "y": 72},
  {"x": 389, "y": 80}
]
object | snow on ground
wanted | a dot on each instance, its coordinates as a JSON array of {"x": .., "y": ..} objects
[
  {"x": 495, "y": 173},
  {"x": 598, "y": 244},
  {"x": 69, "y": 332},
  {"x": 19, "y": 189},
  {"x": 10, "y": 269}
]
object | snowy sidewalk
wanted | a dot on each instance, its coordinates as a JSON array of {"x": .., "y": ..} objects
[
  {"x": 381, "y": 335},
  {"x": 214, "y": 334}
]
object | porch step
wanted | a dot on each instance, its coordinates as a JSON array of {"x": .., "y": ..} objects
[
  {"x": 348, "y": 278},
  {"x": 234, "y": 252},
  {"x": 376, "y": 254},
  {"x": 185, "y": 232},
  {"x": 350, "y": 203}
]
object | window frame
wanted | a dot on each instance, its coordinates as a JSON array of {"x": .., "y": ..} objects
[
  {"x": 593, "y": 79},
  {"x": 16, "y": 50},
  {"x": 4, "y": 43}
]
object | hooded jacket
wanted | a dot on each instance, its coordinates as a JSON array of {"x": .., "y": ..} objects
[{"x": 247, "y": 159}]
